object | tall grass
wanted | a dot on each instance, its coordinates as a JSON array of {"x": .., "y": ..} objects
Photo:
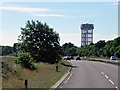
[{"x": 44, "y": 77}]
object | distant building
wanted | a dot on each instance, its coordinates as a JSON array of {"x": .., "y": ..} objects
[{"x": 86, "y": 34}]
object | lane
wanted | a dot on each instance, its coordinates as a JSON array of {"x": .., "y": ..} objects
[
  {"x": 88, "y": 74},
  {"x": 110, "y": 70}
]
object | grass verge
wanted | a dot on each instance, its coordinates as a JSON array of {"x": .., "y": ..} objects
[{"x": 44, "y": 77}]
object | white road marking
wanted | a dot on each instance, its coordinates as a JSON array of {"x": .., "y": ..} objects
[
  {"x": 68, "y": 78},
  {"x": 102, "y": 72},
  {"x": 106, "y": 76},
  {"x": 117, "y": 88},
  {"x": 111, "y": 81}
]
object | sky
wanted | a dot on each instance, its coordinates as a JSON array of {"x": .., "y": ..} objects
[{"x": 64, "y": 17}]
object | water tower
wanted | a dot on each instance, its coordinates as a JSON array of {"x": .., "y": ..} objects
[{"x": 86, "y": 34}]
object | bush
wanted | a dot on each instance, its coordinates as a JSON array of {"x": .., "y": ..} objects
[{"x": 26, "y": 60}]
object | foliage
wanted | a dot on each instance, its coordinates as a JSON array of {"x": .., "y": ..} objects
[
  {"x": 25, "y": 60},
  {"x": 41, "y": 41},
  {"x": 69, "y": 49},
  {"x": 101, "y": 49},
  {"x": 6, "y": 50},
  {"x": 15, "y": 48}
]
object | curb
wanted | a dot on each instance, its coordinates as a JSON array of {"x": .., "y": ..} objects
[
  {"x": 61, "y": 79},
  {"x": 99, "y": 60}
]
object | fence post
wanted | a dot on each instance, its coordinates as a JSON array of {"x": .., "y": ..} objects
[
  {"x": 56, "y": 68},
  {"x": 57, "y": 65},
  {"x": 26, "y": 84}
]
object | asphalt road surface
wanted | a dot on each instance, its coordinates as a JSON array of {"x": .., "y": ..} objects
[{"x": 90, "y": 74}]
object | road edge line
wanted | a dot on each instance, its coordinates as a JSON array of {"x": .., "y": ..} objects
[{"x": 62, "y": 78}]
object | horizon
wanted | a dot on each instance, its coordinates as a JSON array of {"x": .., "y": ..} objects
[{"x": 68, "y": 42}]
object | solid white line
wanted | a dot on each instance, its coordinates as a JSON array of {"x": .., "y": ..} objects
[
  {"x": 106, "y": 76},
  {"x": 102, "y": 72},
  {"x": 68, "y": 78},
  {"x": 111, "y": 81}
]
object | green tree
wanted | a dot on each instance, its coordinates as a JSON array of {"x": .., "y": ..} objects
[
  {"x": 69, "y": 49},
  {"x": 100, "y": 44},
  {"x": 15, "y": 48},
  {"x": 41, "y": 41},
  {"x": 101, "y": 48},
  {"x": 117, "y": 53},
  {"x": 6, "y": 50},
  {"x": 108, "y": 48}
]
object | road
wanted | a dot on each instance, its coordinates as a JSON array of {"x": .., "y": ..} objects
[{"x": 89, "y": 74}]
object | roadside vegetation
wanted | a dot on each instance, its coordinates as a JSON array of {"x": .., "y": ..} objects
[
  {"x": 44, "y": 77},
  {"x": 37, "y": 57},
  {"x": 101, "y": 49},
  {"x": 6, "y": 50},
  {"x": 69, "y": 49},
  {"x": 38, "y": 52}
]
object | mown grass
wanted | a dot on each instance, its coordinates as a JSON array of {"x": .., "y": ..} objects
[{"x": 44, "y": 77}]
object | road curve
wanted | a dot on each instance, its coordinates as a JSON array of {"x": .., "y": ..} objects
[{"x": 89, "y": 74}]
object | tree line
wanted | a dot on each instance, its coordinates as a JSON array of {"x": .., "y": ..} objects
[
  {"x": 6, "y": 50},
  {"x": 101, "y": 49}
]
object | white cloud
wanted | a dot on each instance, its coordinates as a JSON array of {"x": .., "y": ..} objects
[
  {"x": 23, "y": 9},
  {"x": 49, "y": 15},
  {"x": 32, "y": 11}
]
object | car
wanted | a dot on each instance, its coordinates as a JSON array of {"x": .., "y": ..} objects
[
  {"x": 113, "y": 58},
  {"x": 66, "y": 58},
  {"x": 78, "y": 58}
]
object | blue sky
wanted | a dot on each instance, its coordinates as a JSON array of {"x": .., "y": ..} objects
[{"x": 64, "y": 17}]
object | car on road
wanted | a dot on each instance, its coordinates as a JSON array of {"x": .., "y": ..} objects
[
  {"x": 78, "y": 58},
  {"x": 68, "y": 57},
  {"x": 113, "y": 58}
]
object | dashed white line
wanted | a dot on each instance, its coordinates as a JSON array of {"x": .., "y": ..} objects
[
  {"x": 68, "y": 78},
  {"x": 106, "y": 76},
  {"x": 102, "y": 72},
  {"x": 111, "y": 81}
]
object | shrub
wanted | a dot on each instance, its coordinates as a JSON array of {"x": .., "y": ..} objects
[{"x": 26, "y": 60}]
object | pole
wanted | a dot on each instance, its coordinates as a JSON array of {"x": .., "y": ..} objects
[{"x": 26, "y": 84}]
